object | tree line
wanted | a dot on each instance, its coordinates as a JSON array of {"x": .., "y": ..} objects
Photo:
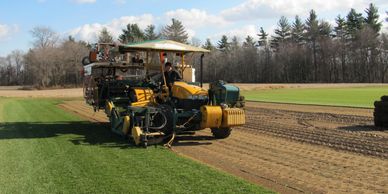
[
  {"x": 306, "y": 51},
  {"x": 50, "y": 63},
  {"x": 299, "y": 51},
  {"x": 53, "y": 62}
]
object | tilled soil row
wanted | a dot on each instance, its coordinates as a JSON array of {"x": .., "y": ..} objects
[
  {"x": 327, "y": 117},
  {"x": 301, "y": 126},
  {"x": 325, "y": 139}
]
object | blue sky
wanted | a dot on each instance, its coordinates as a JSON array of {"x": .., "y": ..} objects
[{"x": 202, "y": 18}]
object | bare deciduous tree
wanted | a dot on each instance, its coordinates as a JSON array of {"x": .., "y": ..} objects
[{"x": 44, "y": 37}]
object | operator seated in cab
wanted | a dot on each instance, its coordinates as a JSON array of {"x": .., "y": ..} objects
[{"x": 171, "y": 75}]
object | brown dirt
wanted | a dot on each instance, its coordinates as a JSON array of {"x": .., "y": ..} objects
[
  {"x": 293, "y": 148},
  {"x": 54, "y": 93}
]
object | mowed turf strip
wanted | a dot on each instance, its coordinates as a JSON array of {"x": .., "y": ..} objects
[
  {"x": 354, "y": 96},
  {"x": 44, "y": 149}
]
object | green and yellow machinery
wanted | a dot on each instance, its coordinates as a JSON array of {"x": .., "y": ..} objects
[{"x": 128, "y": 83}]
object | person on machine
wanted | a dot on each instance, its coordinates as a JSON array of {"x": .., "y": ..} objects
[{"x": 171, "y": 75}]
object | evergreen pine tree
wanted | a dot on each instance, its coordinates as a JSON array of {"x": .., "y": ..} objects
[
  {"x": 325, "y": 29},
  {"x": 339, "y": 29},
  {"x": 249, "y": 42},
  {"x": 132, "y": 34},
  {"x": 263, "y": 37},
  {"x": 282, "y": 33},
  {"x": 105, "y": 36},
  {"x": 150, "y": 34},
  {"x": 311, "y": 35},
  {"x": 235, "y": 43},
  {"x": 208, "y": 45},
  {"x": 176, "y": 31},
  {"x": 372, "y": 18},
  {"x": 297, "y": 30},
  {"x": 223, "y": 44},
  {"x": 312, "y": 27},
  {"x": 354, "y": 23}
]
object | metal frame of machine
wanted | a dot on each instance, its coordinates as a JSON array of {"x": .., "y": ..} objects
[{"x": 139, "y": 104}]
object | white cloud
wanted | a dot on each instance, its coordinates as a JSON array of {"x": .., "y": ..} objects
[
  {"x": 384, "y": 27},
  {"x": 383, "y": 15},
  {"x": 7, "y": 30},
  {"x": 89, "y": 32},
  {"x": 84, "y": 1},
  {"x": 262, "y": 9},
  {"x": 241, "y": 33},
  {"x": 195, "y": 18},
  {"x": 191, "y": 33}
]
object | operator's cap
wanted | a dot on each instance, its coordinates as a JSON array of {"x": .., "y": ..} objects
[{"x": 168, "y": 64}]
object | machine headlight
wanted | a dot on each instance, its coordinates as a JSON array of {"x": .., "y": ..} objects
[{"x": 224, "y": 106}]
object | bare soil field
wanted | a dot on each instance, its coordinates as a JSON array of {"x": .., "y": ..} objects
[
  {"x": 292, "y": 148},
  {"x": 14, "y": 91}
]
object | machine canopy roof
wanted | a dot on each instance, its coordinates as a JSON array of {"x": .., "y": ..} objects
[{"x": 161, "y": 45}]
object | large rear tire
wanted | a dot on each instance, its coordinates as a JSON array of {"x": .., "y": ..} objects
[
  {"x": 380, "y": 113},
  {"x": 221, "y": 133}
]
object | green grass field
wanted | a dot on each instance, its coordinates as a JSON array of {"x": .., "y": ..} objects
[
  {"x": 44, "y": 149},
  {"x": 355, "y": 97}
]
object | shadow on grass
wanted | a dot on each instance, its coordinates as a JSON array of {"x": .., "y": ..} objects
[
  {"x": 87, "y": 133},
  {"x": 364, "y": 128}
]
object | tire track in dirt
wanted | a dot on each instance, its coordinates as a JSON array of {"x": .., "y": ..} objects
[{"x": 266, "y": 152}]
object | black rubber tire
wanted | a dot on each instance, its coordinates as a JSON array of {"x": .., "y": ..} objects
[
  {"x": 85, "y": 61},
  {"x": 168, "y": 112},
  {"x": 221, "y": 133}
]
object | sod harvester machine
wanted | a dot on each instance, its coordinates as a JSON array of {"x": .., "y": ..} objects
[
  {"x": 128, "y": 83},
  {"x": 380, "y": 113}
]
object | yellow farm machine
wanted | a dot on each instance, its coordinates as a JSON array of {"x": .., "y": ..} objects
[{"x": 128, "y": 83}]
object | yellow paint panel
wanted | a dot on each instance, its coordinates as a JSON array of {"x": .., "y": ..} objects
[
  {"x": 233, "y": 117},
  {"x": 136, "y": 134},
  {"x": 108, "y": 108},
  {"x": 143, "y": 94},
  {"x": 211, "y": 116},
  {"x": 140, "y": 104},
  {"x": 126, "y": 125},
  {"x": 182, "y": 90}
]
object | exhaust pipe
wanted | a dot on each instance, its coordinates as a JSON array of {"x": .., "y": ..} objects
[{"x": 201, "y": 76}]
